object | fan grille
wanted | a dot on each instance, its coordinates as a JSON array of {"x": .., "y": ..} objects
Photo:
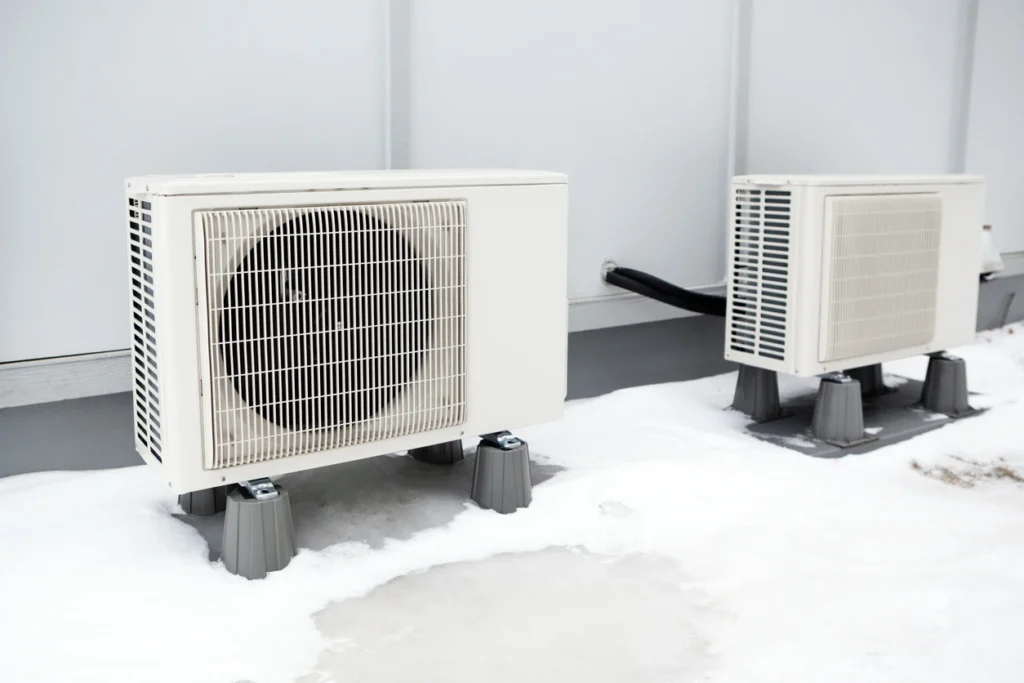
[{"x": 333, "y": 326}]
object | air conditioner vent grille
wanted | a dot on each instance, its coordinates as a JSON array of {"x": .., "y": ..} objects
[
  {"x": 145, "y": 371},
  {"x": 760, "y": 272},
  {"x": 333, "y": 326},
  {"x": 882, "y": 291}
]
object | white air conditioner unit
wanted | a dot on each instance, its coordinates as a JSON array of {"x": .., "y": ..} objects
[
  {"x": 828, "y": 273},
  {"x": 283, "y": 322}
]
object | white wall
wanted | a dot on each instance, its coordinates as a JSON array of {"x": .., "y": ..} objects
[
  {"x": 648, "y": 105},
  {"x": 630, "y": 99},
  {"x": 995, "y": 144},
  {"x": 92, "y": 92},
  {"x": 852, "y": 87}
]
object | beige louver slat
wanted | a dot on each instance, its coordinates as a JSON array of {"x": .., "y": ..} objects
[{"x": 884, "y": 264}]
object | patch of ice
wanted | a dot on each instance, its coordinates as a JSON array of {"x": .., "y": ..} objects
[{"x": 402, "y": 626}]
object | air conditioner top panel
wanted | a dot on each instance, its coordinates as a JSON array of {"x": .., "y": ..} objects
[
  {"x": 819, "y": 180},
  {"x": 241, "y": 183}
]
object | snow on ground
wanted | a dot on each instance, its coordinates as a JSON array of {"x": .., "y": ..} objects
[{"x": 695, "y": 553}]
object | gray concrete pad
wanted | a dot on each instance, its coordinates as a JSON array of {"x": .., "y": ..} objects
[{"x": 888, "y": 419}]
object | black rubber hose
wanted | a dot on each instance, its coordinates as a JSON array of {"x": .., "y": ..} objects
[
  {"x": 655, "y": 288},
  {"x": 636, "y": 287},
  {"x": 708, "y": 304}
]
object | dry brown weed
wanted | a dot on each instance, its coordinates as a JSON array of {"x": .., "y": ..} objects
[{"x": 972, "y": 472}]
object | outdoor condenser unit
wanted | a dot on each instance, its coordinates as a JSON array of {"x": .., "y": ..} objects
[
  {"x": 828, "y": 273},
  {"x": 282, "y": 322}
]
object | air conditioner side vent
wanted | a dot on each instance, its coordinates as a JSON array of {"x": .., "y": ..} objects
[
  {"x": 145, "y": 371},
  {"x": 758, "y": 317}
]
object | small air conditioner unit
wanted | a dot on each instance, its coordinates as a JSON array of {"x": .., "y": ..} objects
[
  {"x": 282, "y": 322},
  {"x": 828, "y": 273}
]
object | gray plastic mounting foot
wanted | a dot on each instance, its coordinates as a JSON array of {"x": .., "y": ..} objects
[
  {"x": 258, "y": 534},
  {"x": 871, "y": 380},
  {"x": 839, "y": 412},
  {"x": 945, "y": 386},
  {"x": 501, "y": 475},
  {"x": 757, "y": 394},
  {"x": 447, "y": 453},
  {"x": 205, "y": 502}
]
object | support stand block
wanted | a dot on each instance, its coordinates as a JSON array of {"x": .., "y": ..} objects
[
  {"x": 872, "y": 383},
  {"x": 945, "y": 386},
  {"x": 447, "y": 453},
  {"x": 258, "y": 534},
  {"x": 757, "y": 394},
  {"x": 839, "y": 412},
  {"x": 205, "y": 502},
  {"x": 501, "y": 475}
]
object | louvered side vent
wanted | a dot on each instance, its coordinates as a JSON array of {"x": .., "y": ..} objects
[
  {"x": 333, "y": 326},
  {"x": 883, "y": 288},
  {"x": 760, "y": 272},
  {"x": 145, "y": 373}
]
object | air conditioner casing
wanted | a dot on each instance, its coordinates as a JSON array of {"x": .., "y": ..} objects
[
  {"x": 828, "y": 273},
  {"x": 282, "y": 322}
]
